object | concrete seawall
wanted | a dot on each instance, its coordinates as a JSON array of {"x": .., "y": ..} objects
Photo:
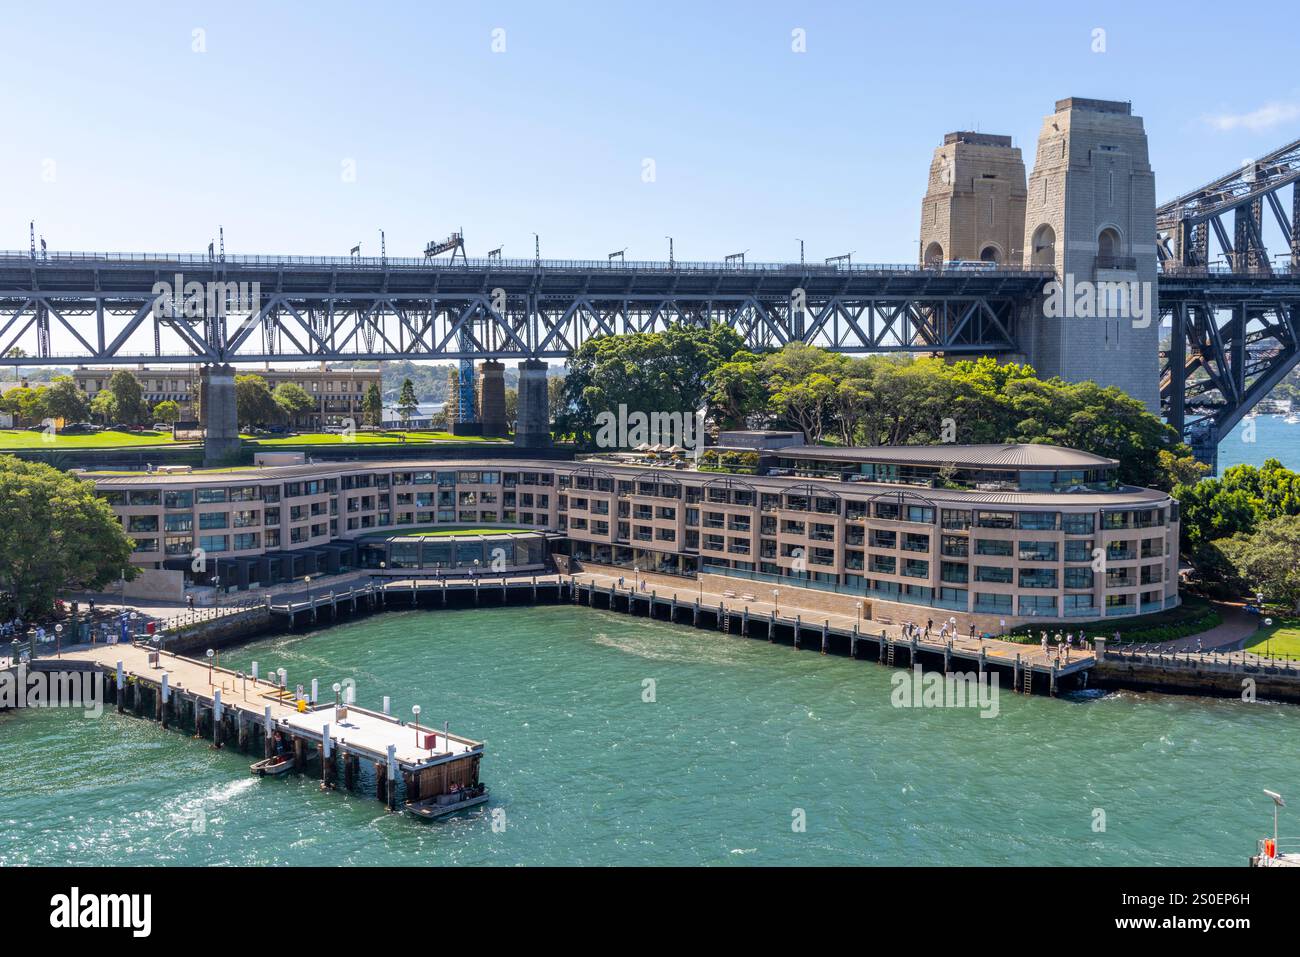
[{"x": 1182, "y": 675}]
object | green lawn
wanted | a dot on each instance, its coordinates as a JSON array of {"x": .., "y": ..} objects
[
  {"x": 1282, "y": 639},
  {"x": 368, "y": 438},
  {"x": 27, "y": 439}
]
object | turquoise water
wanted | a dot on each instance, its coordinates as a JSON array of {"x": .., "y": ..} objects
[
  {"x": 741, "y": 736},
  {"x": 1273, "y": 438}
]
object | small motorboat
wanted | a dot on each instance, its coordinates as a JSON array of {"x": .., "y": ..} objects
[
  {"x": 273, "y": 766},
  {"x": 443, "y": 804}
]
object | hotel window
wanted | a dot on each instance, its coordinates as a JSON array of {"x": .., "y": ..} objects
[
  {"x": 212, "y": 543},
  {"x": 212, "y": 519},
  {"x": 1078, "y": 578},
  {"x": 247, "y": 540},
  {"x": 1038, "y": 521},
  {"x": 1079, "y": 550},
  {"x": 178, "y": 544},
  {"x": 1032, "y": 605},
  {"x": 992, "y": 604},
  {"x": 1078, "y": 523},
  {"x": 211, "y": 496},
  {"x": 995, "y": 519},
  {"x": 1078, "y": 604},
  {"x": 884, "y": 564},
  {"x": 1037, "y": 578},
  {"x": 993, "y": 574},
  {"x": 178, "y": 499},
  {"x": 992, "y": 546},
  {"x": 955, "y": 519},
  {"x": 143, "y": 497},
  {"x": 144, "y": 545},
  {"x": 178, "y": 523},
  {"x": 142, "y": 523},
  {"x": 1037, "y": 551}
]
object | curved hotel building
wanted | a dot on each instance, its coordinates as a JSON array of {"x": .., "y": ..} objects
[{"x": 999, "y": 534}]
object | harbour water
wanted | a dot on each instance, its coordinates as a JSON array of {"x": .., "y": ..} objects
[
  {"x": 1272, "y": 438},
  {"x": 742, "y": 741}
]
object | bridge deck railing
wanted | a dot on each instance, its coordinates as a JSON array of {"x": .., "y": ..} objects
[{"x": 12, "y": 257}]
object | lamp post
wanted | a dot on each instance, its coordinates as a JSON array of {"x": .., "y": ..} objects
[
  {"x": 134, "y": 628},
  {"x": 1268, "y": 644},
  {"x": 337, "y": 701},
  {"x": 859, "y": 613},
  {"x": 415, "y": 710},
  {"x": 776, "y": 600},
  {"x": 211, "y": 655},
  {"x": 1277, "y": 803},
  {"x": 58, "y": 641}
]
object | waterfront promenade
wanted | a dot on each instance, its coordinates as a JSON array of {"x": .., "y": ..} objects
[{"x": 666, "y": 588}]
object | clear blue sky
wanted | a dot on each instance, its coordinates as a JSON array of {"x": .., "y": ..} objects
[{"x": 154, "y": 145}]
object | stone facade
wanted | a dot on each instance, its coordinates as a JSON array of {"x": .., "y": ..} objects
[
  {"x": 1090, "y": 214},
  {"x": 974, "y": 206}
]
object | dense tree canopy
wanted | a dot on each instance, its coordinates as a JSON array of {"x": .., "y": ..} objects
[
  {"x": 58, "y": 536},
  {"x": 898, "y": 400},
  {"x": 292, "y": 400},
  {"x": 646, "y": 372},
  {"x": 1265, "y": 560},
  {"x": 128, "y": 397},
  {"x": 1236, "y": 503},
  {"x": 254, "y": 403}
]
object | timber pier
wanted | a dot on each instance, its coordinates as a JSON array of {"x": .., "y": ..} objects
[
  {"x": 357, "y": 748},
  {"x": 1029, "y": 670}
]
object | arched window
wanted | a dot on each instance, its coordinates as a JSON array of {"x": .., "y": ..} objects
[
  {"x": 990, "y": 254},
  {"x": 1044, "y": 246},
  {"x": 1108, "y": 243},
  {"x": 934, "y": 255}
]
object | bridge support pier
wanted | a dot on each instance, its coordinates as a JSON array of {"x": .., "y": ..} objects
[
  {"x": 218, "y": 412},
  {"x": 533, "y": 421}
]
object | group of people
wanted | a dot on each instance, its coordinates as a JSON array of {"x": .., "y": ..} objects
[{"x": 947, "y": 629}]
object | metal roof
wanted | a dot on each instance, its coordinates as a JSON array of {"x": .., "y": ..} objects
[{"x": 1011, "y": 455}]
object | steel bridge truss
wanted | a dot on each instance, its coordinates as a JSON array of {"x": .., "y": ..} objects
[
  {"x": 1185, "y": 225},
  {"x": 1230, "y": 343},
  {"x": 118, "y": 329}
]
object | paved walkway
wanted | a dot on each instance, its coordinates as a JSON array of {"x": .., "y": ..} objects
[{"x": 1231, "y": 635}]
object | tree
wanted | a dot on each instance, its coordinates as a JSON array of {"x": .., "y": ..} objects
[
  {"x": 128, "y": 397},
  {"x": 104, "y": 407},
  {"x": 1237, "y": 503},
  {"x": 293, "y": 400},
  {"x": 254, "y": 404},
  {"x": 647, "y": 373},
  {"x": 512, "y": 406},
  {"x": 25, "y": 404},
  {"x": 167, "y": 411},
  {"x": 372, "y": 406},
  {"x": 407, "y": 403},
  {"x": 58, "y": 536},
  {"x": 1266, "y": 560},
  {"x": 63, "y": 400}
]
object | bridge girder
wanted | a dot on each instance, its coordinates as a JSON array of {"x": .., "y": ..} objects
[{"x": 477, "y": 310}]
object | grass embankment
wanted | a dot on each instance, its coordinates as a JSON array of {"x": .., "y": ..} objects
[
  {"x": 370, "y": 438},
  {"x": 1192, "y": 617},
  {"x": 1279, "y": 640},
  {"x": 27, "y": 439}
]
